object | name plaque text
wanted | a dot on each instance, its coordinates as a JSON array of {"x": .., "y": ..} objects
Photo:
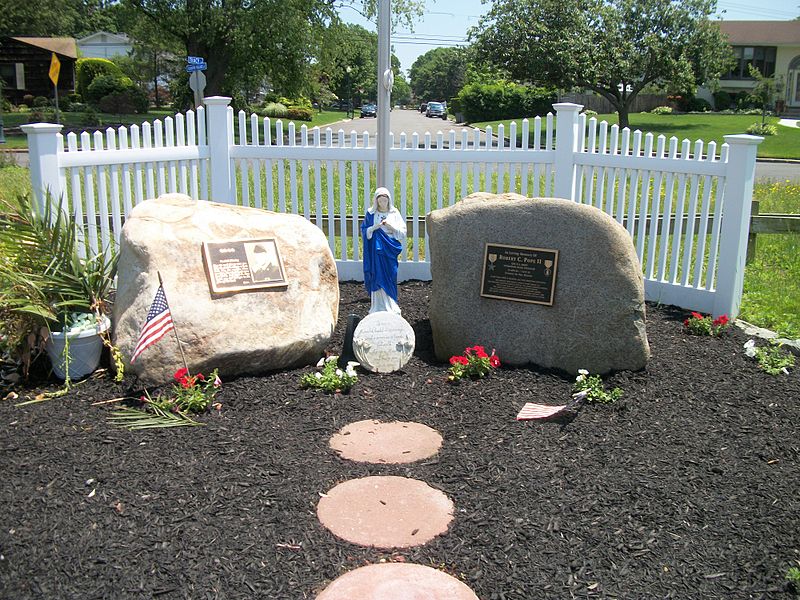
[{"x": 519, "y": 273}]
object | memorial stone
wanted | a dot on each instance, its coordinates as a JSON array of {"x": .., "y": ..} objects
[{"x": 383, "y": 342}]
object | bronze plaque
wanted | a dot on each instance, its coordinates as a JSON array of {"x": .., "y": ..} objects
[
  {"x": 239, "y": 265},
  {"x": 520, "y": 274}
]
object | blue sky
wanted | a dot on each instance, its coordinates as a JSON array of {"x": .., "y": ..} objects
[{"x": 445, "y": 22}]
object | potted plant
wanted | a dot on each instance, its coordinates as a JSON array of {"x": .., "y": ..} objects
[{"x": 51, "y": 298}]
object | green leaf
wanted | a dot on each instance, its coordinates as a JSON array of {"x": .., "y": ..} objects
[{"x": 133, "y": 419}]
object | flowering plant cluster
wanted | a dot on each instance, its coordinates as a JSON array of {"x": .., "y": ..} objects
[
  {"x": 698, "y": 324},
  {"x": 771, "y": 359},
  {"x": 191, "y": 393},
  {"x": 474, "y": 363},
  {"x": 331, "y": 378},
  {"x": 592, "y": 388}
]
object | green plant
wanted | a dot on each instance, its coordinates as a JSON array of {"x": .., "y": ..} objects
[
  {"x": 662, "y": 110},
  {"x": 793, "y": 577},
  {"x": 590, "y": 113},
  {"x": 331, "y": 378},
  {"x": 698, "y": 324},
  {"x": 190, "y": 394},
  {"x": 503, "y": 100},
  {"x": 474, "y": 363},
  {"x": 43, "y": 279},
  {"x": 722, "y": 100},
  {"x": 87, "y": 69},
  {"x": 771, "y": 359},
  {"x": 762, "y": 129},
  {"x": 296, "y": 113},
  {"x": 274, "y": 110},
  {"x": 593, "y": 387}
]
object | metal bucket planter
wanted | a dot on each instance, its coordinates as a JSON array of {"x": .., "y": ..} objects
[{"x": 85, "y": 349}]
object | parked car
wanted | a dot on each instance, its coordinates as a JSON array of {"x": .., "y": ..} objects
[
  {"x": 423, "y": 107},
  {"x": 436, "y": 110},
  {"x": 369, "y": 110}
]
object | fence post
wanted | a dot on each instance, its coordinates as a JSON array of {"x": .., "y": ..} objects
[
  {"x": 43, "y": 155},
  {"x": 219, "y": 149},
  {"x": 739, "y": 177},
  {"x": 567, "y": 136}
]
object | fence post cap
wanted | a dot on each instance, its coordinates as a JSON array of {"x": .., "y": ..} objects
[
  {"x": 743, "y": 138},
  {"x": 567, "y": 107},
  {"x": 217, "y": 100},
  {"x": 36, "y": 128}
]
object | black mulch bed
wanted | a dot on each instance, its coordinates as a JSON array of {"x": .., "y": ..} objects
[{"x": 687, "y": 488}]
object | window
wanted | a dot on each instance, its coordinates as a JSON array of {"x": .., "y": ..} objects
[
  {"x": 761, "y": 57},
  {"x": 13, "y": 75}
]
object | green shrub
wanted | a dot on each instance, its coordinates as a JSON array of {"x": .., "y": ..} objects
[
  {"x": 23, "y": 108},
  {"x": 745, "y": 100},
  {"x": 27, "y": 100},
  {"x": 722, "y": 100},
  {"x": 762, "y": 129},
  {"x": 64, "y": 103},
  {"x": 88, "y": 69},
  {"x": 6, "y": 104},
  {"x": 103, "y": 85},
  {"x": 295, "y": 113},
  {"x": 75, "y": 97},
  {"x": 503, "y": 100},
  {"x": 589, "y": 113},
  {"x": 41, "y": 102},
  {"x": 274, "y": 110},
  {"x": 131, "y": 100},
  {"x": 662, "y": 110}
]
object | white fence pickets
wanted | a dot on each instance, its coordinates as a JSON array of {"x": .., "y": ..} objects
[{"x": 686, "y": 208}]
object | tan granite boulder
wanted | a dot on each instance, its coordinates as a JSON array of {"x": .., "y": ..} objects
[
  {"x": 597, "y": 319},
  {"x": 251, "y": 331}
]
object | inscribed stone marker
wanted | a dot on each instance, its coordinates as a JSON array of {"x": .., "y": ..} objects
[{"x": 383, "y": 342}]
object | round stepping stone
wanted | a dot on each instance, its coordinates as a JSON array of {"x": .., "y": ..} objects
[
  {"x": 385, "y": 512},
  {"x": 376, "y": 442},
  {"x": 397, "y": 581}
]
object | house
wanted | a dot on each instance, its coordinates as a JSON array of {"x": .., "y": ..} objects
[
  {"x": 25, "y": 66},
  {"x": 773, "y": 47},
  {"x": 105, "y": 45}
]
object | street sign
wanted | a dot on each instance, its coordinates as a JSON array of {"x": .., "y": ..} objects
[
  {"x": 195, "y": 60},
  {"x": 55, "y": 69},
  {"x": 196, "y": 67},
  {"x": 197, "y": 82}
]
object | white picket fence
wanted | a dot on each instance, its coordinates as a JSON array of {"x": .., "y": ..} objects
[{"x": 687, "y": 207}]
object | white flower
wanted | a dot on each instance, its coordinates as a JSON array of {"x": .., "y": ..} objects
[
  {"x": 583, "y": 371},
  {"x": 784, "y": 370},
  {"x": 351, "y": 372},
  {"x": 580, "y": 395},
  {"x": 331, "y": 358},
  {"x": 318, "y": 375},
  {"x": 339, "y": 373},
  {"x": 321, "y": 362},
  {"x": 750, "y": 348},
  {"x": 352, "y": 364}
]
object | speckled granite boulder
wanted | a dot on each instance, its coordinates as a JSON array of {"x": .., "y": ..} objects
[
  {"x": 248, "y": 332},
  {"x": 597, "y": 320}
]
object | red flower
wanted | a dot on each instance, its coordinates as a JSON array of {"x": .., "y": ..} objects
[
  {"x": 187, "y": 382},
  {"x": 480, "y": 352},
  {"x": 686, "y": 322},
  {"x": 181, "y": 373},
  {"x": 200, "y": 377},
  {"x": 458, "y": 360},
  {"x": 720, "y": 321},
  {"x": 697, "y": 315},
  {"x": 494, "y": 361}
]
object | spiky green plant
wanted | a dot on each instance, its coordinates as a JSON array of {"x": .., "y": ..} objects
[{"x": 42, "y": 276}]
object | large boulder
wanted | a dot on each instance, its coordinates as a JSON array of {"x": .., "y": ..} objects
[
  {"x": 253, "y": 331},
  {"x": 597, "y": 319}
]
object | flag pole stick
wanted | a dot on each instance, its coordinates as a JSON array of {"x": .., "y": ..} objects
[{"x": 174, "y": 329}]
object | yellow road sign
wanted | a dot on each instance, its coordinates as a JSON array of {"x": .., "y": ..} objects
[{"x": 55, "y": 69}]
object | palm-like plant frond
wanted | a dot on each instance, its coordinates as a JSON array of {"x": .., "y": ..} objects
[{"x": 133, "y": 419}]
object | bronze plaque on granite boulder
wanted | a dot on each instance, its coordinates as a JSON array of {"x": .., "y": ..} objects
[
  {"x": 519, "y": 273},
  {"x": 239, "y": 265}
]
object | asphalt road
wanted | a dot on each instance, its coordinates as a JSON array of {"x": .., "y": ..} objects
[{"x": 412, "y": 121}]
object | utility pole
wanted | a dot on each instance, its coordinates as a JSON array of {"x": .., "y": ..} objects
[{"x": 385, "y": 81}]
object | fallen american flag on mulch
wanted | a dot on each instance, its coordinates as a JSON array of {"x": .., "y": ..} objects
[{"x": 542, "y": 411}]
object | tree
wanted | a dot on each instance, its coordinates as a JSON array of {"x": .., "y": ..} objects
[
  {"x": 64, "y": 18},
  {"x": 612, "y": 47},
  {"x": 438, "y": 74},
  {"x": 765, "y": 91},
  {"x": 249, "y": 42}
]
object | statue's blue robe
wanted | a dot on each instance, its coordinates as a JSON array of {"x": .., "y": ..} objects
[{"x": 380, "y": 259}]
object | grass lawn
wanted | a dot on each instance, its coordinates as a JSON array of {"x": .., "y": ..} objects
[
  {"x": 74, "y": 119},
  {"x": 707, "y": 127}
]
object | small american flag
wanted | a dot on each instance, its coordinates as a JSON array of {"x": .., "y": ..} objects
[
  {"x": 157, "y": 325},
  {"x": 538, "y": 411}
]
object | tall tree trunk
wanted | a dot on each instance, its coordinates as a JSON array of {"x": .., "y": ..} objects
[{"x": 622, "y": 111}]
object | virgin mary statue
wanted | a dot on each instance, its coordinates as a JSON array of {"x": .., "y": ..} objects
[{"x": 382, "y": 231}]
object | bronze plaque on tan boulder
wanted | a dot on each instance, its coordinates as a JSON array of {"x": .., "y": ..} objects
[
  {"x": 519, "y": 273},
  {"x": 238, "y": 265}
]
